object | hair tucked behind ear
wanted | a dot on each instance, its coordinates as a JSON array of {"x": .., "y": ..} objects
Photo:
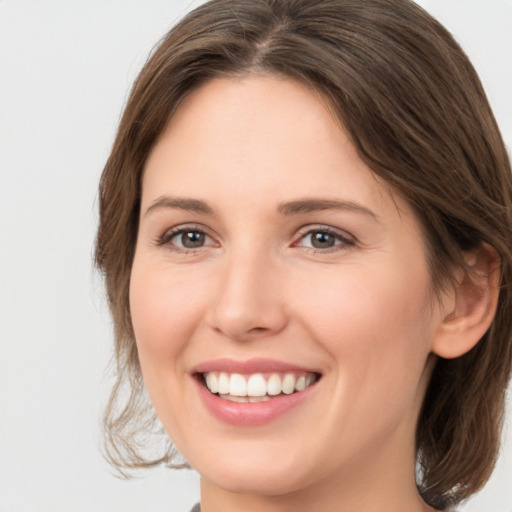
[{"x": 412, "y": 104}]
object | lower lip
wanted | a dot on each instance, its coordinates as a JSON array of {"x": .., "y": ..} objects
[{"x": 251, "y": 414}]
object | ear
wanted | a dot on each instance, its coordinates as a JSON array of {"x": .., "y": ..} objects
[{"x": 469, "y": 308}]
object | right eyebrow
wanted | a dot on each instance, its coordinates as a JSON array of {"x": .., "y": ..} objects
[{"x": 182, "y": 203}]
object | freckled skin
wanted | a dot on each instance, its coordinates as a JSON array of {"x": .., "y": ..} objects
[{"x": 257, "y": 285}]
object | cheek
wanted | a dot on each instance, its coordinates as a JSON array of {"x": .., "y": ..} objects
[
  {"x": 165, "y": 309},
  {"x": 375, "y": 327},
  {"x": 374, "y": 324}
]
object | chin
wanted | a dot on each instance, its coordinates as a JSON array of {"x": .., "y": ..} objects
[
  {"x": 257, "y": 484},
  {"x": 257, "y": 477}
]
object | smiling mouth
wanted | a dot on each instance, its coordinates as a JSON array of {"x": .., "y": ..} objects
[{"x": 256, "y": 387}]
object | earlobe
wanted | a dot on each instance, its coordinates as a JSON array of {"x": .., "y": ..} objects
[{"x": 471, "y": 304}]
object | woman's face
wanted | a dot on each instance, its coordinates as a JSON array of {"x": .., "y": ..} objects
[{"x": 271, "y": 262}]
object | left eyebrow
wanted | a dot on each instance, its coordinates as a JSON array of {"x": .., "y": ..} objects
[{"x": 314, "y": 205}]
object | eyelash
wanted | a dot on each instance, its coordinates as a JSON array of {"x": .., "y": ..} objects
[
  {"x": 167, "y": 237},
  {"x": 342, "y": 240}
]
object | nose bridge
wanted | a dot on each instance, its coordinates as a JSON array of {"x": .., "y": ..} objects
[{"x": 248, "y": 302}]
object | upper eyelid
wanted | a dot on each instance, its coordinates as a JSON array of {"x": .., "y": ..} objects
[
  {"x": 304, "y": 230},
  {"x": 329, "y": 229},
  {"x": 344, "y": 238},
  {"x": 187, "y": 226},
  {"x": 171, "y": 232}
]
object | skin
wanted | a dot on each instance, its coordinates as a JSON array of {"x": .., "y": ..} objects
[{"x": 361, "y": 312}]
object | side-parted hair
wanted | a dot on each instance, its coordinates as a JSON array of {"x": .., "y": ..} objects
[{"x": 413, "y": 106}]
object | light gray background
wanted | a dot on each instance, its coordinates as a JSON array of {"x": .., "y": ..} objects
[{"x": 65, "y": 69}]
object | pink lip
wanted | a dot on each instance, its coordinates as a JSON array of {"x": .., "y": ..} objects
[
  {"x": 257, "y": 365},
  {"x": 249, "y": 414}
]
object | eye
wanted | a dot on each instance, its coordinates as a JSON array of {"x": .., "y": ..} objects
[
  {"x": 324, "y": 239},
  {"x": 189, "y": 239},
  {"x": 185, "y": 239}
]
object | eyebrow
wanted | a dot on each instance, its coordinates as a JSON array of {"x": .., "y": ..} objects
[
  {"x": 182, "y": 203},
  {"x": 314, "y": 205},
  {"x": 296, "y": 207}
]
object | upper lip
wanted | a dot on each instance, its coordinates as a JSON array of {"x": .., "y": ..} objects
[{"x": 256, "y": 365}]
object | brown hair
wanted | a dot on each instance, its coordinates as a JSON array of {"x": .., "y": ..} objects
[{"x": 412, "y": 104}]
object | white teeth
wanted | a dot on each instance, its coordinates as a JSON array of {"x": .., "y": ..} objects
[
  {"x": 288, "y": 384},
  {"x": 245, "y": 399},
  {"x": 223, "y": 384},
  {"x": 301, "y": 383},
  {"x": 212, "y": 382},
  {"x": 237, "y": 385},
  {"x": 274, "y": 385},
  {"x": 254, "y": 399},
  {"x": 255, "y": 388},
  {"x": 233, "y": 398},
  {"x": 256, "y": 385}
]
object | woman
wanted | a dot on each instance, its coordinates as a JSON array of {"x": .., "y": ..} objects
[{"x": 305, "y": 227}]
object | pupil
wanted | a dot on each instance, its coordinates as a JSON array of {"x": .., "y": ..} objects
[
  {"x": 192, "y": 239},
  {"x": 322, "y": 240}
]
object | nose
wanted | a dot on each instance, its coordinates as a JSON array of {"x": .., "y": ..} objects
[{"x": 249, "y": 303}]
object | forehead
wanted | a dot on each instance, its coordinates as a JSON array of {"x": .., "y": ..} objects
[{"x": 260, "y": 139}]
